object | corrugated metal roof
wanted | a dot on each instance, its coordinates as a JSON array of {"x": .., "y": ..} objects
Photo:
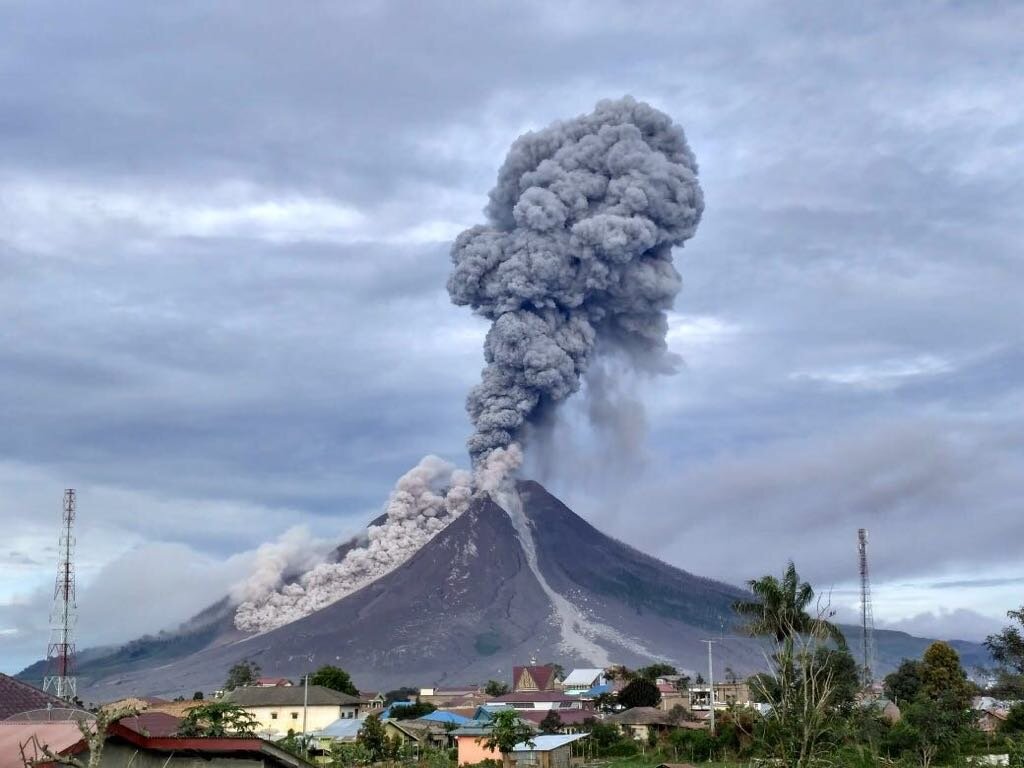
[
  {"x": 580, "y": 677},
  {"x": 342, "y": 728},
  {"x": 445, "y": 717},
  {"x": 289, "y": 696},
  {"x": 14, "y": 735},
  {"x": 548, "y": 742}
]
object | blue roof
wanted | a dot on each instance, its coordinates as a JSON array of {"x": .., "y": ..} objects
[
  {"x": 342, "y": 728},
  {"x": 446, "y": 717},
  {"x": 597, "y": 690}
]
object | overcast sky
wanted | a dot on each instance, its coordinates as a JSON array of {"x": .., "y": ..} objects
[{"x": 224, "y": 234}]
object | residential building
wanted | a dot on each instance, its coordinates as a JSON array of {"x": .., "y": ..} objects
[
  {"x": 273, "y": 682},
  {"x": 536, "y": 678},
  {"x": 279, "y": 709},
  {"x": 453, "y": 696},
  {"x": 672, "y": 697},
  {"x": 547, "y": 751},
  {"x": 582, "y": 680},
  {"x": 990, "y": 720},
  {"x": 373, "y": 701},
  {"x": 726, "y": 695},
  {"x": 641, "y": 722},
  {"x": 540, "y": 700}
]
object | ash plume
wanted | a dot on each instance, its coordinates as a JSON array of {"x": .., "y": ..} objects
[{"x": 576, "y": 257}]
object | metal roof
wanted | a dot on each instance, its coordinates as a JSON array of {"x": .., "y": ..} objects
[
  {"x": 548, "y": 742},
  {"x": 342, "y": 728},
  {"x": 440, "y": 716},
  {"x": 582, "y": 677},
  {"x": 290, "y": 696}
]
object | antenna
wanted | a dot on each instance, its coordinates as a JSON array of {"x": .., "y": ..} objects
[
  {"x": 60, "y": 651},
  {"x": 867, "y": 619}
]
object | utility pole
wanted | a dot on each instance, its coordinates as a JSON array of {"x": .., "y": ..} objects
[
  {"x": 711, "y": 684},
  {"x": 305, "y": 709}
]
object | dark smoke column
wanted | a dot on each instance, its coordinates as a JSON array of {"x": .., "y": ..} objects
[{"x": 576, "y": 257}]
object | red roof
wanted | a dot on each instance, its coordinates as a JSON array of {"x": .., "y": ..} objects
[
  {"x": 271, "y": 754},
  {"x": 543, "y": 676},
  {"x": 152, "y": 723},
  {"x": 17, "y": 697},
  {"x": 60, "y": 737}
]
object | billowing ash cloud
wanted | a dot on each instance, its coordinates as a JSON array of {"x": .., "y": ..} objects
[
  {"x": 424, "y": 501},
  {"x": 576, "y": 256}
]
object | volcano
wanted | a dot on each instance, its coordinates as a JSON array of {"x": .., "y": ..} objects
[{"x": 493, "y": 589}]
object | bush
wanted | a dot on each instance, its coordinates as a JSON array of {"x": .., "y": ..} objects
[{"x": 622, "y": 748}]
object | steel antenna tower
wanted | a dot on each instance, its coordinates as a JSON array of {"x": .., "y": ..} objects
[
  {"x": 60, "y": 652},
  {"x": 867, "y": 619}
]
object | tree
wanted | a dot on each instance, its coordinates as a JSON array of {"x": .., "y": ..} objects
[
  {"x": 335, "y": 678},
  {"x": 197, "y": 696},
  {"x": 653, "y": 671},
  {"x": 373, "y": 738},
  {"x": 942, "y": 677},
  {"x": 930, "y": 728},
  {"x": 552, "y": 722},
  {"x": 217, "y": 719},
  {"x": 94, "y": 733},
  {"x": 844, "y": 673},
  {"x": 400, "y": 694},
  {"x": 1014, "y": 722},
  {"x": 242, "y": 674},
  {"x": 504, "y": 731},
  {"x": 411, "y": 711},
  {"x": 700, "y": 679},
  {"x": 903, "y": 685},
  {"x": 1007, "y": 648},
  {"x": 496, "y": 688},
  {"x": 640, "y": 693},
  {"x": 780, "y": 610}
]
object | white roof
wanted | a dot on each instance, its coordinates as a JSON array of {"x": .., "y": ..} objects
[
  {"x": 582, "y": 676},
  {"x": 547, "y": 743}
]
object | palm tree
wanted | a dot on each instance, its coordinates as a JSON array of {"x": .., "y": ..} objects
[{"x": 780, "y": 610}]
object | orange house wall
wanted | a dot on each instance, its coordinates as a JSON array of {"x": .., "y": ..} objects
[{"x": 470, "y": 751}]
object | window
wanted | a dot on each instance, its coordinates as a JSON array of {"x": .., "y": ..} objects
[
  {"x": 295, "y": 715},
  {"x": 273, "y": 715}
]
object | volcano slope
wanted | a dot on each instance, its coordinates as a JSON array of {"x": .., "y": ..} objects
[{"x": 466, "y": 607}]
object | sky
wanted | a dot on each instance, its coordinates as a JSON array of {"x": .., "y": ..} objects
[{"x": 224, "y": 240}]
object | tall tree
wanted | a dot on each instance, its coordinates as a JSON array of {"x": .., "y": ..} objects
[
  {"x": 373, "y": 737},
  {"x": 943, "y": 678},
  {"x": 1007, "y": 648},
  {"x": 335, "y": 678},
  {"x": 780, "y": 610},
  {"x": 243, "y": 673},
  {"x": 640, "y": 693},
  {"x": 504, "y": 731},
  {"x": 903, "y": 685},
  {"x": 653, "y": 671}
]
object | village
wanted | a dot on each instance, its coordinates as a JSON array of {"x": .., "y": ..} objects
[{"x": 543, "y": 716}]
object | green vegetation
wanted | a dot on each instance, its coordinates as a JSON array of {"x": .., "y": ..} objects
[
  {"x": 640, "y": 692},
  {"x": 335, "y": 678},
  {"x": 504, "y": 731},
  {"x": 411, "y": 711},
  {"x": 496, "y": 688},
  {"x": 242, "y": 674},
  {"x": 217, "y": 719}
]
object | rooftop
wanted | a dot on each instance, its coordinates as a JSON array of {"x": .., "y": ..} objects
[
  {"x": 290, "y": 696},
  {"x": 16, "y": 696},
  {"x": 548, "y": 742}
]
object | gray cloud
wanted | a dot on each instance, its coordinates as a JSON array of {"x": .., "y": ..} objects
[{"x": 223, "y": 239}]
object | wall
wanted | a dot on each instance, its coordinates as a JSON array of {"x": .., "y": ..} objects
[
  {"x": 470, "y": 751},
  {"x": 317, "y": 717}
]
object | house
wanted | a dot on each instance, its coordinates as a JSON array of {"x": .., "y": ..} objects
[
  {"x": 452, "y": 696},
  {"x": 726, "y": 695},
  {"x": 344, "y": 730},
  {"x": 272, "y": 682},
  {"x": 672, "y": 697},
  {"x": 536, "y": 678},
  {"x": 990, "y": 720},
  {"x": 16, "y": 696},
  {"x": 373, "y": 701},
  {"x": 279, "y": 709},
  {"x": 641, "y": 722},
  {"x": 418, "y": 732},
  {"x": 540, "y": 700},
  {"x": 554, "y": 751},
  {"x": 146, "y": 740},
  {"x": 582, "y": 680}
]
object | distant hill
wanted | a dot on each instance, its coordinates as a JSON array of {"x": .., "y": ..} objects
[{"x": 471, "y": 603}]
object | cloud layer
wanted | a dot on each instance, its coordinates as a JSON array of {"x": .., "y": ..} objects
[{"x": 224, "y": 235}]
